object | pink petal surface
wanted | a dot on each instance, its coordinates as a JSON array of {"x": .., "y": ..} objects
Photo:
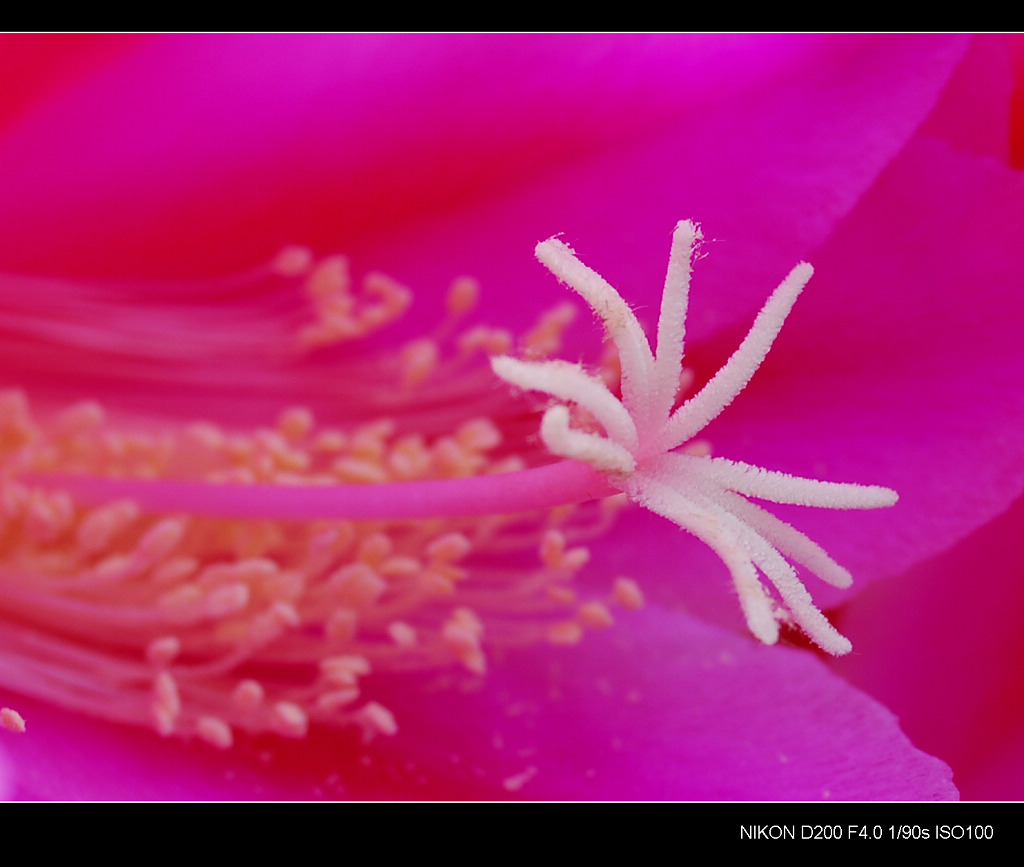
[
  {"x": 950, "y": 632},
  {"x": 688, "y": 712},
  {"x": 671, "y": 708},
  {"x": 768, "y": 176},
  {"x": 341, "y": 148},
  {"x": 998, "y": 778},
  {"x": 6, "y": 777},
  {"x": 775, "y": 144},
  {"x": 920, "y": 389},
  {"x": 68, "y": 757}
]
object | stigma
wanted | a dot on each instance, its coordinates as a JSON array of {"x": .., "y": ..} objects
[{"x": 644, "y": 443}]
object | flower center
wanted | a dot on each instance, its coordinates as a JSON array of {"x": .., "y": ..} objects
[
  {"x": 204, "y": 581},
  {"x": 647, "y": 446}
]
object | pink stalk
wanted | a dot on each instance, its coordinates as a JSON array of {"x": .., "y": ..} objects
[{"x": 561, "y": 484}]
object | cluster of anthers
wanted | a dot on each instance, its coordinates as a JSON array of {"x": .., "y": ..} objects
[{"x": 644, "y": 453}]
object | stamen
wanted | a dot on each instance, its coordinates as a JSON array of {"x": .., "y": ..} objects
[
  {"x": 248, "y": 695},
  {"x": 212, "y": 583},
  {"x": 627, "y": 594},
  {"x": 568, "y": 633},
  {"x": 11, "y": 720},
  {"x": 293, "y": 261},
  {"x": 595, "y": 615},
  {"x": 215, "y": 732},
  {"x": 545, "y": 339},
  {"x": 376, "y": 720},
  {"x": 290, "y": 720},
  {"x": 419, "y": 359},
  {"x": 462, "y": 296},
  {"x": 163, "y": 651}
]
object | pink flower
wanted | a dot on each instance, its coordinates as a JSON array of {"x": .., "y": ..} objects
[{"x": 884, "y": 161}]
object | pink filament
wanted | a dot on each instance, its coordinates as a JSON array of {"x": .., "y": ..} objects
[{"x": 561, "y": 484}]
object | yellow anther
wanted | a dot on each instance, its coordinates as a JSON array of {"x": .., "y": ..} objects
[
  {"x": 359, "y": 472},
  {"x": 290, "y": 720},
  {"x": 336, "y": 698},
  {"x": 292, "y": 261},
  {"x": 97, "y": 530},
  {"x": 479, "y": 435},
  {"x": 225, "y": 600},
  {"x": 449, "y": 548},
  {"x": 165, "y": 694},
  {"x": 418, "y": 360},
  {"x": 492, "y": 341},
  {"x": 79, "y": 418},
  {"x": 248, "y": 695},
  {"x": 341, "y": 625},
  {"x": 11, "y": 720},
  {"x": 463, "y": 295},
  {"x": 374, "y": 549},
  {"x": 377, "y": 719},
  {"x": 215, "y": 732},
  {"x": 567, "y": 632},
  {"x": 402, "y": 634},
  {"x": 163, "y": 651},
  {"x": 595, "y": 615},
  {"x": 627, "y": 594},
  {"x": 330, "y": 278},
  {"x": 344, "y": 670}
]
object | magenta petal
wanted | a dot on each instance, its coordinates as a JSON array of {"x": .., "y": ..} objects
[
  {"x": 670, "y": 708},
  {"x": 949, "y": 634},
  {"x": 667, "y": 707},
  {"x": 137, "y": 169},
  {"x": 902, "y": 366},
  {"x": 1000, "y": 776},
  {"x": 6, "y": 777},
  {"x": 769, "y": 177},
  {"x": 190, "y": 144},
  {"x": 975, "y": 112},
  {"x": 67, "y": 757}
]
